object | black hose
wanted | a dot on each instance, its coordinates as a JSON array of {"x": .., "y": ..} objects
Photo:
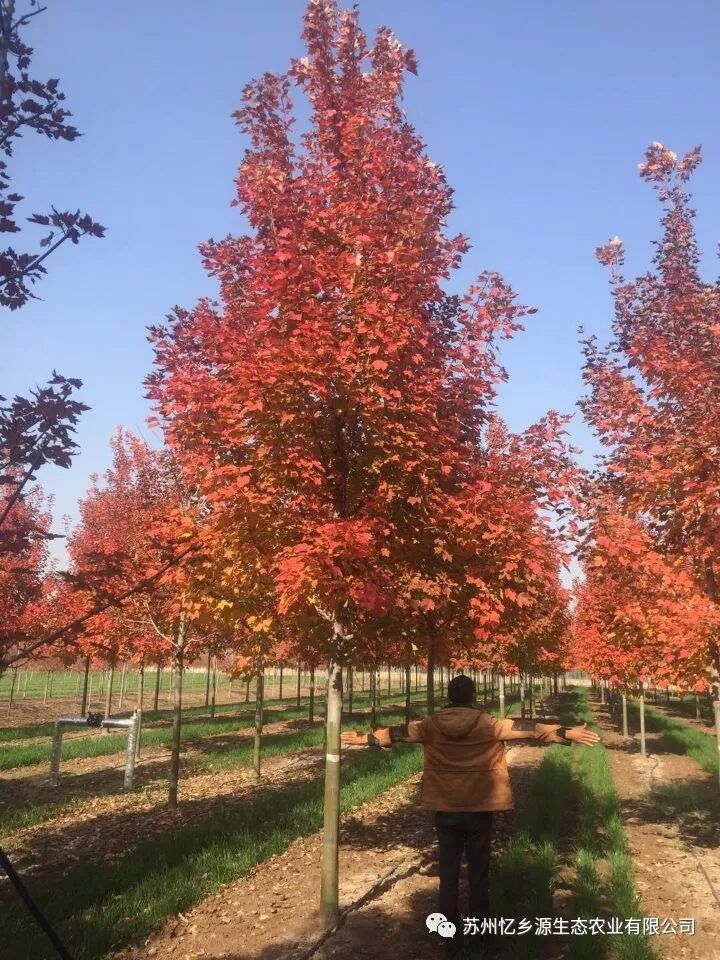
[{"x": 24, "y": 894}]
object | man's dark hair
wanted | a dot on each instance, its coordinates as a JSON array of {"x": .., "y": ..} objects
[{"x": 461, "y": 691}]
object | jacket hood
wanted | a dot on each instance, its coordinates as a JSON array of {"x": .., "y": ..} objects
[{"x": 456, "y": 722}]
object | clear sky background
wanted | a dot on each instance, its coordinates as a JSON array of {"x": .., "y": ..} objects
[{"x": 538, "y": 111}]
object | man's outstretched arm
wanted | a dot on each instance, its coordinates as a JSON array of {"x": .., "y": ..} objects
[
  {"x": 510, "y": 729},
  {"x": 385, "y": 737}
]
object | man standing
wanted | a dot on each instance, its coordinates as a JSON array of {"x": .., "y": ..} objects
[{"x": 465, "y": 780}]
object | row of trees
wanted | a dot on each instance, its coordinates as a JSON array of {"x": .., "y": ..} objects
[
  {"x": 336, "y": 485},
  {"x": 648, "y": 606}
]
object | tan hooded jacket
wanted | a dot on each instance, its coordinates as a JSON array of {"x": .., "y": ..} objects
[{"x": 465, "y": 768}]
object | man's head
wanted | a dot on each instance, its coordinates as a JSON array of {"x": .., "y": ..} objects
[{"x": 461, "y": 692}]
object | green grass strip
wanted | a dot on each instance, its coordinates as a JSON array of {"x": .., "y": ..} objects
[
  {"x": 99, "y": 907},
  {"x": 601, "y": 838},
  {"x": 15, "y": 756},
  {"x": 679, "y": 737},
  {"x": 158, "y": 717},
  {"x": 215, "y": 756},
  {"x": 523, "y": 878}
]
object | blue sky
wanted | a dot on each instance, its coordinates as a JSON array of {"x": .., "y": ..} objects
[{"x": 539, "y": 113}]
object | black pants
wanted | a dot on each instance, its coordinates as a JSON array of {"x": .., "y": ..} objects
[{"x": 468, "y": 832}]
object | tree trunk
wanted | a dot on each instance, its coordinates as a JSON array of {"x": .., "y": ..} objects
[
  {"x": 697, "y": 709},
  {"x": 47, "y": 687},
  {"x": 12, "y": 690},
  {"x": 641, "y": 701},
  {"x": 257, "y": 741},
  {"x": 122, "y": 685},
  {"x": 602, "y": 692},
  {"x": 329, "y": 885},
  {"x": 716, "y": 715},
  {"x": 141, "y": 686},
  {"x": 430, "y": 680},
  {"x": 84, "y": 703},
  {"x": 350, "y": 691},
  {"x": 177, "y": 713},
  {"x": 501, "y": 694},
  {"x": 407, "y": 693},
  {"x": 109, "y": 691},
  {"x": 247, "y": 690},
  {"x": 624, "y": 714},
  {"x": 373, "y": 700},
  {"x": 442, "y": 682},
  {"x": 157, "y": 688},
  {"x": 297, "y": 692},
  {"x": 523, "y": 700},
  {"x": 389, "y": 681},
  {"x": 311, "y": 709},
  {"x": 213, "y": 697},
  {"x": 715, "y": 671},
  {"x": 207, "y": 680},
  {"x": 281, "y": 680}
]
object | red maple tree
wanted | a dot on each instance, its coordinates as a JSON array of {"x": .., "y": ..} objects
[
  {"x": 335, "y": 407},
  {"x": 653, "y": 393}
]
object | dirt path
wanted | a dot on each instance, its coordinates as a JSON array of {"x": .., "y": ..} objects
[
  {"x": 29, "y": 783},
  {"x": 86, "y": 777},
  {"x": 670, "y": 809},
  {"x": 110, "y": 826},
  {"x": 99, "y": 820},
  {"x": 387, "y": 865}
]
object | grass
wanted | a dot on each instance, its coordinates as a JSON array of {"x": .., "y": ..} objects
[
  {"x": 98, "y": 907},
  {"x": 527, "y": 872},
  {"x": 215, "y": 756},
  {"x": 24, "y": 755},
  {"x": 680, "y": 737},
  {"x": 30, "y": 684},
  {"x": 198, "y": 726},
  {"x": 604, "y": 877},
  {"x": 524, "y": 875},
  {"x": 686, "y": 705}
]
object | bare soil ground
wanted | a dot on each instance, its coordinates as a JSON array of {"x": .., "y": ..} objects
[
  {"x": 103, "y": 821},
  {"x": 109, "y": 826},
  {"x": 29, "y": 784},
  {"x": 388, "y": 884},
  {"x": 671, "y": 709},
  {"x": 389, "y": 874},
  {"x": 670, "y": 807}
]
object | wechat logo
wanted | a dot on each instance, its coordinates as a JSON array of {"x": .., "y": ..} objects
[{"x": 439, "y": 923}]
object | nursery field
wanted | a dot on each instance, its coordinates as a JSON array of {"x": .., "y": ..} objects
[
  {"x": 382, "y": 621},
  {"x": 597, "y": 833}
]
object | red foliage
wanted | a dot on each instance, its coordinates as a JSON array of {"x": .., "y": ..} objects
[
  {"x": 653, "y": 399},
  {"x": 336, "y": 407}
]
